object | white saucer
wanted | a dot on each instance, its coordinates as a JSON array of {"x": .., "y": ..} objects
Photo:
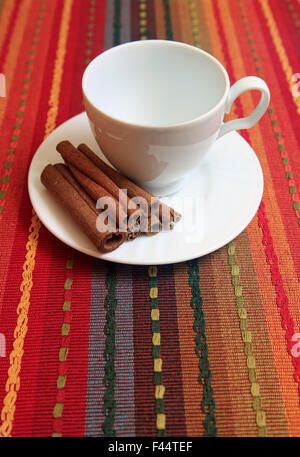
[{"x": 223, "y": 194}]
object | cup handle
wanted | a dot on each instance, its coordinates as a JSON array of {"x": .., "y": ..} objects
[{"x": 241, "y": 86}]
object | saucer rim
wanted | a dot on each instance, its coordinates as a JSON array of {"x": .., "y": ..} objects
[{"x": 110, "y": 256}]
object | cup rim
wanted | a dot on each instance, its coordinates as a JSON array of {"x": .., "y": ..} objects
[{"x": 190, "y": 122}]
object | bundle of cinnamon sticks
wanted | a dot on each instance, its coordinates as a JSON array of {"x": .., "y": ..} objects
[{"x": 109, "y": 208}]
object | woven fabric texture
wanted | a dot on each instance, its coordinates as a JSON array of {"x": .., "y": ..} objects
[{"x": 207, "y": 347}]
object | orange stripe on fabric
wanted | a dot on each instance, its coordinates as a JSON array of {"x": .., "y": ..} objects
[
  {"x": 266, "y": 375},
  {"x": 159, "y": 20},
  {"x": 5, "y": 18},
  {"x": 177, "y": 35},
  {"x": 192, "y": 389},
  {"x": 246, "y": 334},
  {"x": 13, "y": 380},
  {"x": 185, "y": 21},
  {"x": 282, "y": 360},
  {"x": 216, "y": 50},
  {"x": 280, "y": 49},
  {"x": 15, "y": 47},
  {"x": 217, "y": 347},
  {"x": 203, "y": 26},
  {"x": 234, "y": 410}
]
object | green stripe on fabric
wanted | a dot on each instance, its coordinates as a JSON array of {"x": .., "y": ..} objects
[
  {"x": 109, "y": 380},
  {"x": 168, "y": 21},
  {"x": 208, "y": 402},
  {"x": 117, "y": 22},
  {"x": 110, "y": 304}
]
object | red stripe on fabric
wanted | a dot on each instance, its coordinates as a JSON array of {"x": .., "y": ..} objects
[
  {"x": 296, "y": 5},
  {"x": 77, "y": 374},
  {"x": 50, "y": 328},
  {"x": 9, "y": 33},
  {"x": 97, "y": 39},
  {"x": 135, "y": 31},
  {"x": 254, "y": 9},
  {"x": 71, "y": 89},
  {"x": 10, "y": 301},
  {"x": 170, "y": 354},
  {"x": 290, "y": 27},
  {"x": 99, "y": 29},
  {"x": 144, "y": 390},
  {"x": 286, "y": 30},
  {"x": 281, "y": 298},
  {"x": 76, "y": 105}
]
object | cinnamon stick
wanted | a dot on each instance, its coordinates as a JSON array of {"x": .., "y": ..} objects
[
  {"x": 124, "y": 183},
  {"x": 80, "y": 211},
  {"x": 96, "y": 191},
  {"x": 117, "y": 213},
  {"x": 77, "y": 159},
  {"x": 64, "y": 170}
]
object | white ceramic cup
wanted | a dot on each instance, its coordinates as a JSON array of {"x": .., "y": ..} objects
[{"x": 156, "y": 107}]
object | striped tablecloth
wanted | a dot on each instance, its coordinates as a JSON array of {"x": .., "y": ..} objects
[{"x": 207, "y": 347}]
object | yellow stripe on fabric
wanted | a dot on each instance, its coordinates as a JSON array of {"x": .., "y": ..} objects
[
  {"x": 247, "y": 339},
  {"x": 195, "y": 24},
  {"x": 157, "y": 361},
  {"x": 143, "y": 20},
  {"x": 13, "y": 380},
  {"x": 63, "y": 354},
  {"x": 153, "y": 293},
  {"x": 282, "y": 55}
]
